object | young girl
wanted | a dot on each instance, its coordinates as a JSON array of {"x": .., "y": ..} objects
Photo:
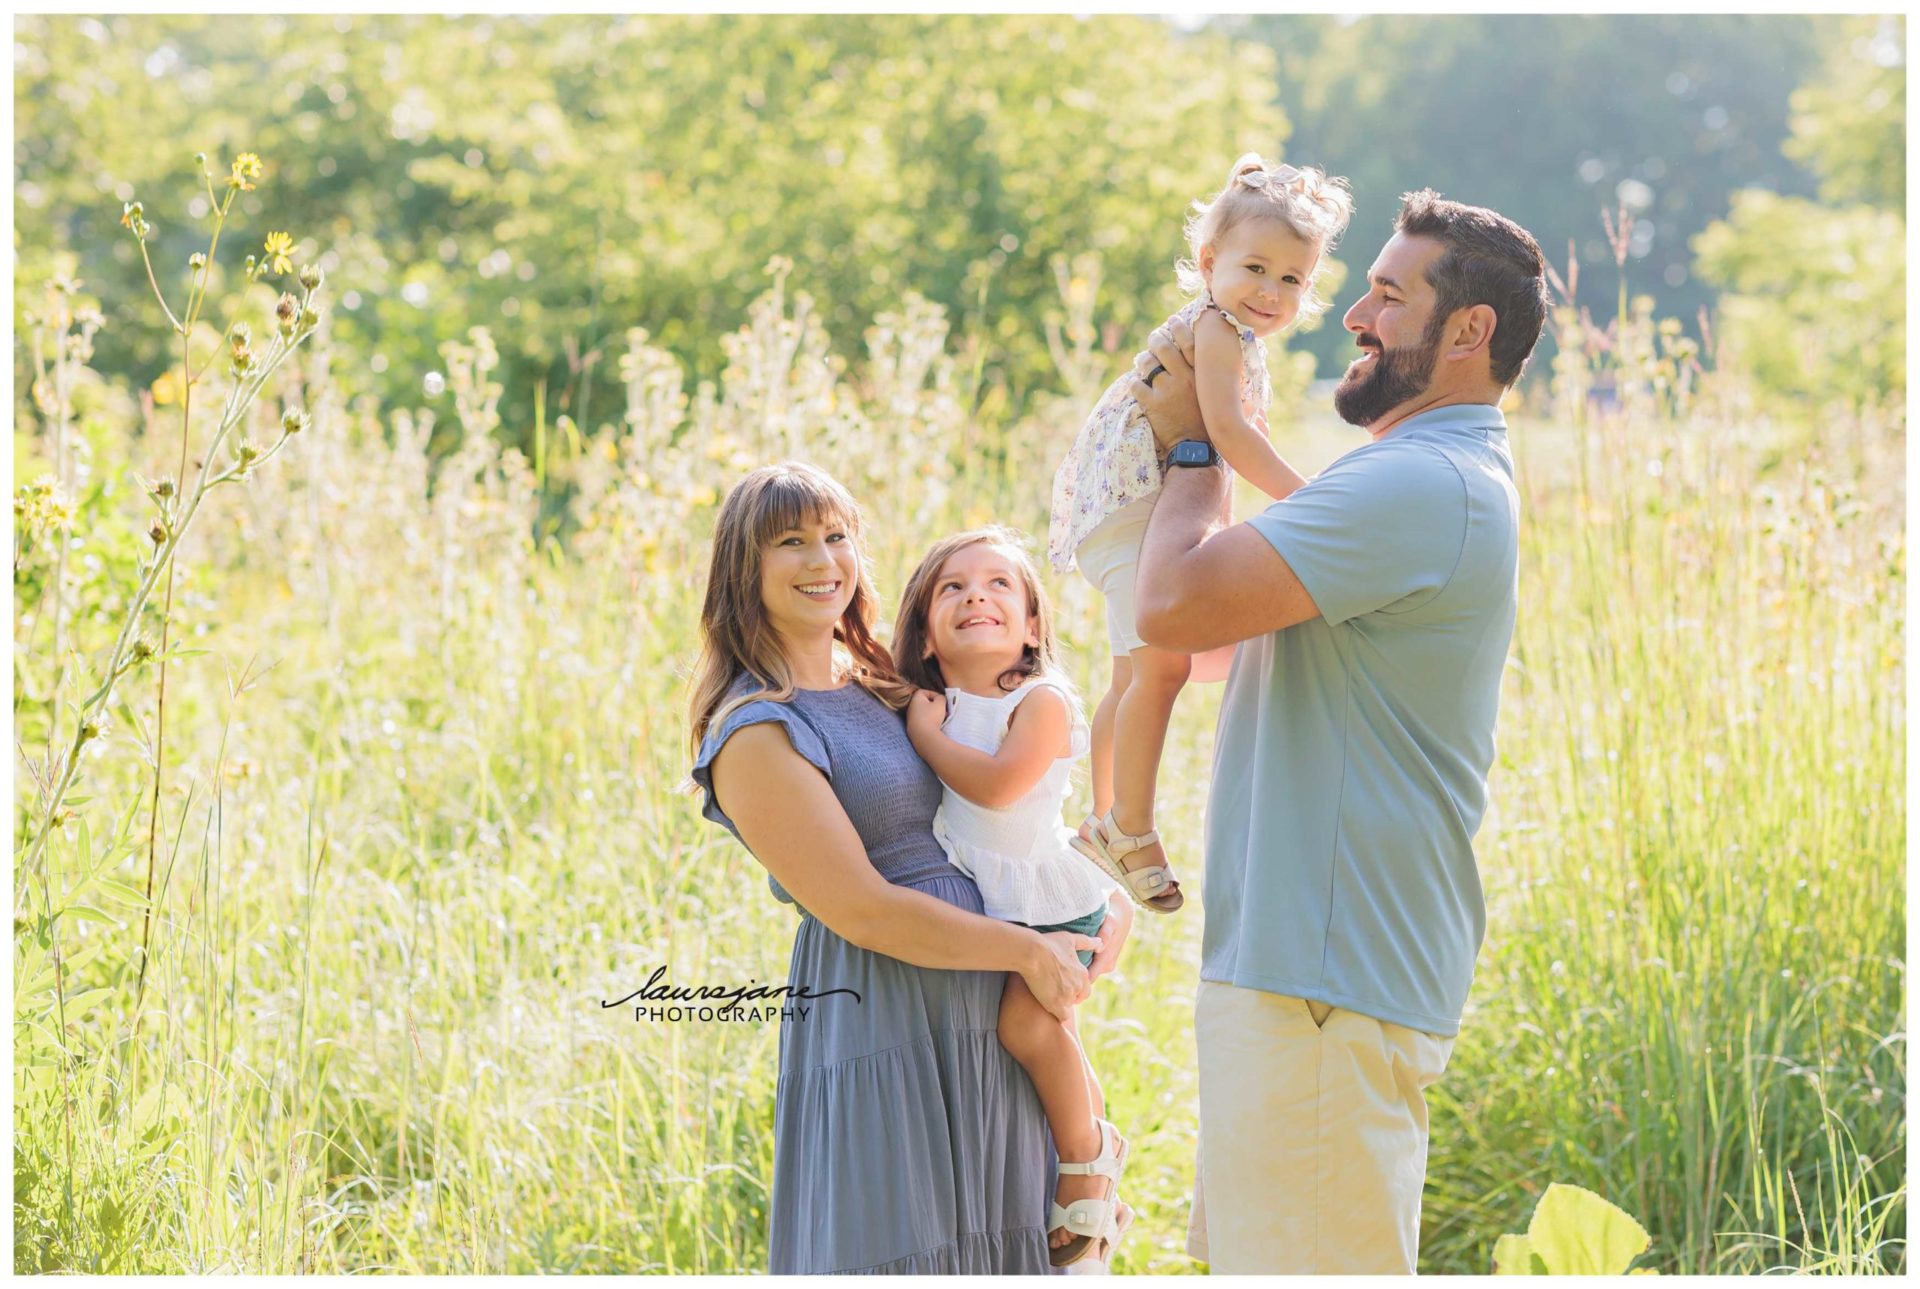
[
  {"x": 1002, "y": 731},
  {"x": 1257, "y": 248}
]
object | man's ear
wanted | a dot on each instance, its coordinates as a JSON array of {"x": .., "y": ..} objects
[{"x": 1473, "y": 329}]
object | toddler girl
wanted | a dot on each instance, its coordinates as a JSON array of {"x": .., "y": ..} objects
[
  {"x": 1002, "y": 731},
  {"x": 1257, "y": 248}
]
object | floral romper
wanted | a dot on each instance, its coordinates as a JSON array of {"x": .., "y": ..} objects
[{"x": 1114, "y": 461}]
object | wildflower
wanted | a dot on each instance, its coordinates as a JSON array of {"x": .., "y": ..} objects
[
  {"x": 309, "y": 319},
  {"x": 133, "y": 215},
  {"x": 288, "y": 311},
  {"x": 142, "y": 649},
  {"x": 242, "y": 336},
  {"x": 158, "y": 533},
  {"x": 163, "y": 489},
  {"x": 246, "y": 168},
  {"x": 246, "y": 453},
  {"x": 311, "y": 277},
  {"x": 243, "y": 360},
  {"x": 91, "y": 728},
  {"x": 294, "y": 421},
  {"x": 43, "y": 506},
  {"x": 166, "y": 390},
  {"x": 197, "y": 261},
  {"x": 280, "y": 252}
]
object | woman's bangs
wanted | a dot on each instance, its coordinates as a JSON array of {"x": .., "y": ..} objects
[{"x": 794, "y": 501}]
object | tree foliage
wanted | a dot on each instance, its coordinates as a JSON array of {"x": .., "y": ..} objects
[
  {"x": 1850, "y": 121},
  {"x": 562, "y": 180},
  {"x": 1815, "y": 296},
  {"x": 1547, "y": 119}
]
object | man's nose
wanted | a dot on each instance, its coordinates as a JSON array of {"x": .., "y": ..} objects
[{"x": 1356, "y": 317}]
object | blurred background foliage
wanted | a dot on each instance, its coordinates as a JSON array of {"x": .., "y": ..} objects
[{"x": 562, "y": 181}]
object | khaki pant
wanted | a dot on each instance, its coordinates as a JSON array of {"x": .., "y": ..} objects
[{"x": 1313, "y": 1136}]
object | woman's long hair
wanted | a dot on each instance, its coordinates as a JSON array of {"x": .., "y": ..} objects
[
  {"x": 735, "y": 635},
  {"x": 911, "y": 637}
]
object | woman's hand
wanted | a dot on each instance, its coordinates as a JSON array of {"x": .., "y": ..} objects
[
  {"x": 1055, "y": 975},
  {"x": 926, "y": 713},
  {"x": 1113, "y": 935}
]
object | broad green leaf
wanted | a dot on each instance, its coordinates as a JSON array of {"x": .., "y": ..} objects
[
  {"x": 120, "y": 890},
  {"x": 1512, "y": 1256},
  {"x": 80, "y": 1004},
  {"x": 87, "y": 913},
  {"x": 1575, "y": 1233},
  {"x": 32, "y": 1080}
]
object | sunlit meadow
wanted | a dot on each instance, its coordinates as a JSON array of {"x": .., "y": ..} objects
[{"x": 420, "y": 815}]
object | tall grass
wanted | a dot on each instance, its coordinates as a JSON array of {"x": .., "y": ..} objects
[{"x": 426, "y": 820}]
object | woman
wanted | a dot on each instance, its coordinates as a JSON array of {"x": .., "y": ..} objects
[{"x": 905, "y": 1138}]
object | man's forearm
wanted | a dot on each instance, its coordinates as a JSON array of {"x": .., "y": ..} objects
[{"x": 1191, "y": 505}]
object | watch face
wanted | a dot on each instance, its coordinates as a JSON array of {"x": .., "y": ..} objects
[{"x": 1192, "y": 452}]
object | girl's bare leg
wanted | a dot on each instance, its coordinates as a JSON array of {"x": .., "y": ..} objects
[{"x": 1051, "y": 1056}]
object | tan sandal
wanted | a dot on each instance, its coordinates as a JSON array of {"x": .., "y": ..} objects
[
  {"x": 1151, "y": 887},
  {"x": 1092, "y": 1221},
  {"x": 1100, "y": 1261}
]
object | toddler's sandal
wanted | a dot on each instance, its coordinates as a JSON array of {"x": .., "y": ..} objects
[{"x": 1151, "y": 887}]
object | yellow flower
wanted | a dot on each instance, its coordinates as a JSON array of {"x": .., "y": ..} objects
[
  {"x": 166, "y": 390},
  {"x": 280, "y": 252},
  {"x": 246, "y": 168}
]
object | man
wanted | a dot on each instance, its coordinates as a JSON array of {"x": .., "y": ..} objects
[{"x": 1374, "y": 607}]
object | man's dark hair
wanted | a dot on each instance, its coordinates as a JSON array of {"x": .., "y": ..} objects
[{"x": 1489, "y": 260}]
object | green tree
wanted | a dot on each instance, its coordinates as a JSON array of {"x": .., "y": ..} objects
[
  {"x": 1547, "y": 119},
  {"x": 563, "y": 179},
  {"x": 1815, "y": 295},
  {"x": 1850, "y": 122}
]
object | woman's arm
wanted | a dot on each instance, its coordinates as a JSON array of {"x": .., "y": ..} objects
[
  {"x": 1036, "y": 737},
  {"x": 788, "y": 816},
  {"x": 1217, "y": 379}
]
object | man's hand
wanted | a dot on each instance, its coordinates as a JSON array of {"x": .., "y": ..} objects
[
  {"x": 926, "y": 712},
  {"x": 1171, "y": 405}
]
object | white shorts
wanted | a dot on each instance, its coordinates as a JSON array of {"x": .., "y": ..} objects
[
  {"x": 1313, "y": 1136},
  {"x": 1109, "y": 558}
]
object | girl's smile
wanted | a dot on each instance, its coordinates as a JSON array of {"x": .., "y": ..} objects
[
  {"x": 1259, "y": 272},
  {"x": 978, "y": 624}
]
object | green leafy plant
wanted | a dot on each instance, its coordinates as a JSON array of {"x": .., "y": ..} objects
[{"x": 1573, "y": 1233}]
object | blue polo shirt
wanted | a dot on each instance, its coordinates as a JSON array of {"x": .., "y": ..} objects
[{"x": 1350, "y": 767}]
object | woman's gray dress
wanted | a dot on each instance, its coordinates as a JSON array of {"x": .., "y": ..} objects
[{"x": 905, "y": 1138}]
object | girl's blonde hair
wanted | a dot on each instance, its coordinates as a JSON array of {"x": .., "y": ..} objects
[
  {"x": 736, "y": 637},
  {"x": 911, "y": 656},
  {"x": 1316, "y": 206}
]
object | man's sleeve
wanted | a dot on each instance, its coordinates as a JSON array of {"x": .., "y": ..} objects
[{"x": 1378, "y": 530}]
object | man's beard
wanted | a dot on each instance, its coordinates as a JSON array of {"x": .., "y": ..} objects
[{"x": 1397, "y": 375}]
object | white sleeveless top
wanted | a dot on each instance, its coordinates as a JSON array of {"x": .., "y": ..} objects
[{"x": 1018, "y": 855}]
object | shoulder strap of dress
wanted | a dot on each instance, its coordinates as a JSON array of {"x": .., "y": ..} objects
[{"x": 1076, "y": 722}]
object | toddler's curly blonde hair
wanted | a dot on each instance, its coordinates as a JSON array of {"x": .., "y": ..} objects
[{"x": 1315, "y": 205}]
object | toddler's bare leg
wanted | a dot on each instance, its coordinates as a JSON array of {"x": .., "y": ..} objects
[
  {"x": 1140, "y": 736},
  {"x": 1102, "y": 768}
]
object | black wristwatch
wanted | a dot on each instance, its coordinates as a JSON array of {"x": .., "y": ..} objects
[{"x": 1193, "y": 453}]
